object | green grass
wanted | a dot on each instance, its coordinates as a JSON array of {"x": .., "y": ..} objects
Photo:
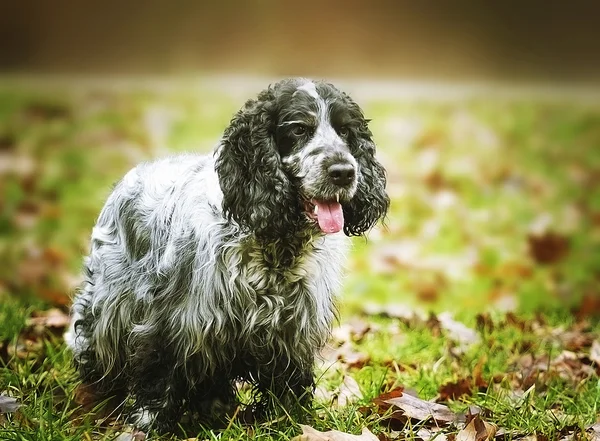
[{"x": 467, "y": 180}]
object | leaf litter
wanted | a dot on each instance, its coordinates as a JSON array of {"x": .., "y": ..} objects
[{"x": 430, "y": 188}]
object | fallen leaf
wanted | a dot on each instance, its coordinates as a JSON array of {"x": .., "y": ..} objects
[
  {"x": 476, "y": 430},
  {"x": 86, "y": 396},
  {"x": 354, "y": 330},
  {"x": 570, "y": 366},
  {"x": 432, "y": 433},
  {"x": 311, "y": 434},
  {"x": 349, "y": 391},
  {"x": 420, "y": 410},
  {"x": 457, "y": 331},
  {"x": 323, "y": 394},
  {"x": 135, "y": 435},
  {"x": 548, "y": 248},
  {"x": 456, "y": 389},
  {"x": 345, "y": 355},
  {"x": 576, "y": 340},
  {"x": 429, "y": 291},
  {"x": 593, "y": 432},
  {"x": 381, "y": 400},
  {"x": 8, "y": 404},
  {"x": 436, "y": 181}
]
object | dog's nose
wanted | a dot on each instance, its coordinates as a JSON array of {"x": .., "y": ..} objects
[{"x": 341, "y": 174}]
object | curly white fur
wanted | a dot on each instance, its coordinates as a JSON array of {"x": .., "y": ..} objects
[{"x": 180, "y": 299}]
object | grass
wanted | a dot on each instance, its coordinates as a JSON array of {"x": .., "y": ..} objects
[{"x": 471, "y": 182}]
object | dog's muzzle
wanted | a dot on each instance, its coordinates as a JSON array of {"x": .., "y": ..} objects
[{"x": 327, "y": 211}]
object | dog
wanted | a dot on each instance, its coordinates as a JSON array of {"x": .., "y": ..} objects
[{"x": 209, "y": 270}]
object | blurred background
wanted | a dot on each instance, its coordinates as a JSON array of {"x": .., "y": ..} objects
[
  {"x": 487, "y": 117},
  {"x": 394, "y": 39}
]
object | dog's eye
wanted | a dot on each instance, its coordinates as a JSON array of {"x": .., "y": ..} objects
[
  {"x": 344, "y": 131},
  {"x": 299, "y": 130}
]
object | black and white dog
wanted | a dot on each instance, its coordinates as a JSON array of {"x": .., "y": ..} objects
[{"x": 206, "y": 270}]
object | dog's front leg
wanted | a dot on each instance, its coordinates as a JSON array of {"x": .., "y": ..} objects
[
  {"x": 158, "y": 387},
  {"x": 289, "y": 384}
]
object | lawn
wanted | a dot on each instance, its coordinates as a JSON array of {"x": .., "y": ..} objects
[{"x": 480, "y": 292}]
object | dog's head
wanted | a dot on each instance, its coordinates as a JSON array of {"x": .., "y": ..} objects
[{"x": 301, "y": 155}]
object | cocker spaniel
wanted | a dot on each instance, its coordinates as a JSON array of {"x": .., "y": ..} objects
[{"x": 208, "y": 270}]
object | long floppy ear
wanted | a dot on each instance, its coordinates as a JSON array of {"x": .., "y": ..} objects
[
  {"x": 371, "y": 202},
  {"x": 256, "y": 192}
]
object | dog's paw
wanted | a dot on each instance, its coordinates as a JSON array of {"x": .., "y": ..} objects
[{"x": 143, "y": 419}]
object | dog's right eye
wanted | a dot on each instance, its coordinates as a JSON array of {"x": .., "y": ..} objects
[{"x": 299, "y": 130}]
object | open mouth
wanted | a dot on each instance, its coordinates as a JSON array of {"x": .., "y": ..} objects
[{"x": 328, "y": 214}]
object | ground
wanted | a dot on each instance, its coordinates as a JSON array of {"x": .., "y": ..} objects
[{"x": 480, "y": 291}]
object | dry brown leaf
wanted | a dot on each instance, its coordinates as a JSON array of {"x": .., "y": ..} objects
[
  {"x": 570, "y": 366},
  {"x": 576, "y": 340},
  {"x": 394, "y": 393},
  {"x": 86, "y": 396},
  {"x": 421, "y": 410},
  {"x": 476, "y": 430},
  {"x": 548, "y": 247},
  {"x": 311, "y": 434},
  {"x": 456, "y": 389}
]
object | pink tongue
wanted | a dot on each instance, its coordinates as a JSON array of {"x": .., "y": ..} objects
[{"x": 330, "y": 216}]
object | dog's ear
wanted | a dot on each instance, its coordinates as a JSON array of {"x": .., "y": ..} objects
[
  {"x": 257, "y": 193},
  {"x": 371, "y": 202}
]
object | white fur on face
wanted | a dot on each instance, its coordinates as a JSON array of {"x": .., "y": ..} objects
[
  {"x": 309, "y": 87},
  {"x": 324, "y": 144}
]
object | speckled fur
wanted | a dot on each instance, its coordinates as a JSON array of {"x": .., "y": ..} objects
[{"x": 205, "y": 270}]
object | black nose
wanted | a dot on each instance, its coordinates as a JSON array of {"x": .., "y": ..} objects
[{"x": 341, "y": 174}]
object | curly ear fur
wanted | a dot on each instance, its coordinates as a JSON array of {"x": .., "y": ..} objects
[
  {"x": 371, "y": 202},
  {"x": 257, "y": 194}
]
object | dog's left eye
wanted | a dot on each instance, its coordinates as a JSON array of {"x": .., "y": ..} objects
[
  {"x": 344, "y": 131},
  {"x": 299, "y": 130}
]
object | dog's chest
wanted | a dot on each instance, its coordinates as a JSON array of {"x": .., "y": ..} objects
[{"x": 283, "y": 301}]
